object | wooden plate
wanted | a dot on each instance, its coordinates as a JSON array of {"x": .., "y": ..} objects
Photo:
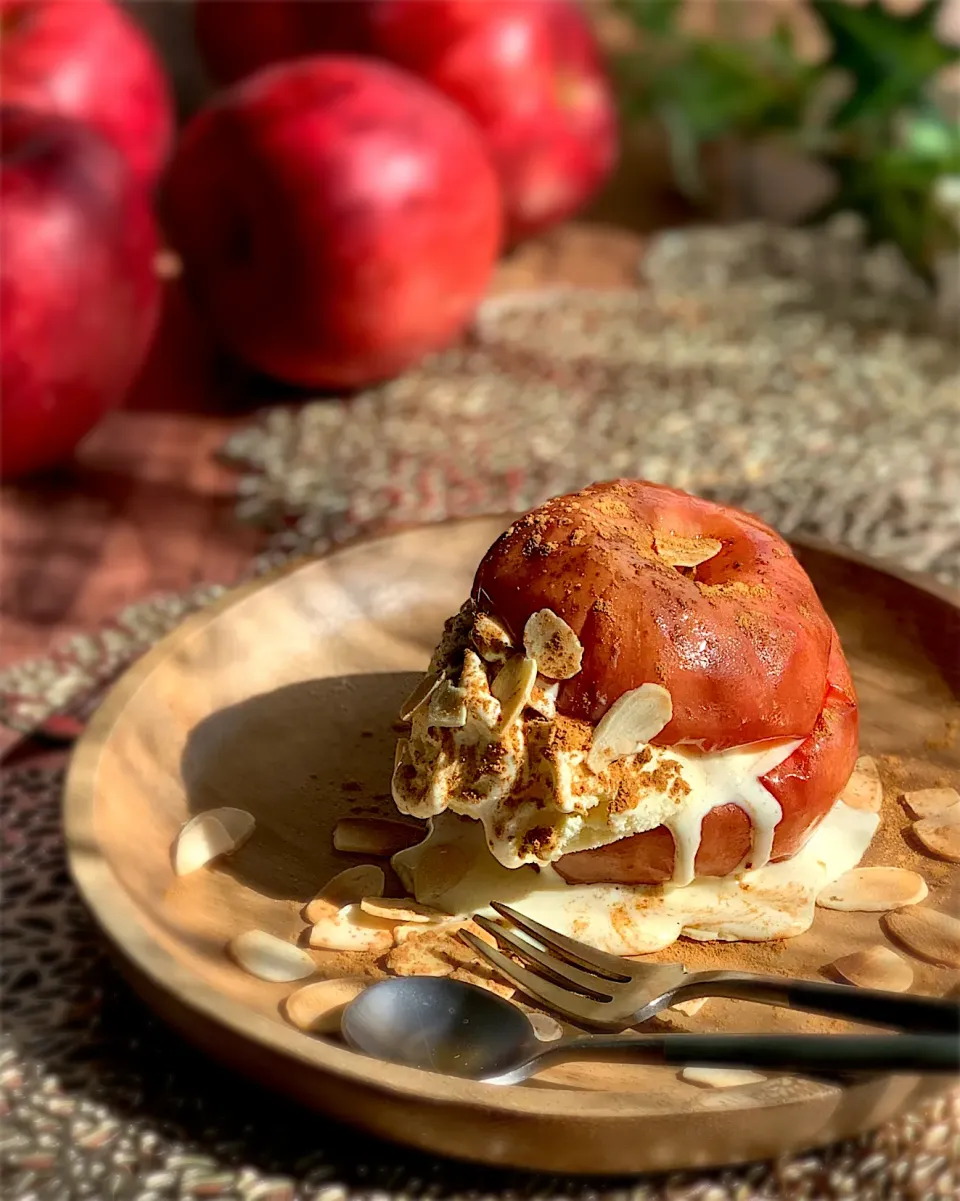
[{"x": 280, "y": 700}]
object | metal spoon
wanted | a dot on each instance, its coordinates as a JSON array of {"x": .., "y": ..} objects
[{"x": 461, "y": 1030}]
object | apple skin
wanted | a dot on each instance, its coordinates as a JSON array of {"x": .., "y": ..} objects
[
  {"x": 337, "y": 219},
  {"x": 529, "y": 72},
  {"x": 88, "y": 60},
  {"x": 79, "y": 294},
  {"x": 236, "y": 39}
]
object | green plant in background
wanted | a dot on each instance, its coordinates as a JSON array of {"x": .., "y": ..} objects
[{"x": 869, "y": 110}]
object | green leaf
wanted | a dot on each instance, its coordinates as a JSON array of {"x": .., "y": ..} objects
[
  {"x": 891, "y": 58},
  {"x": 653, "y": 16}
]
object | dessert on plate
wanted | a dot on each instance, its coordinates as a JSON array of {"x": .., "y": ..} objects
[{"x": 638, "y": 725}]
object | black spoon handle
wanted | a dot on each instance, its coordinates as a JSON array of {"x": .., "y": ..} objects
[
  {"x": 923, "y": 1015},
  {"x": 807, "y": 1053}
]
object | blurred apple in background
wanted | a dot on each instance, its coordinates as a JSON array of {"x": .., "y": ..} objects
[
  {"x": 529, "y": 72},
  {"x": 337, "y": 219},
  {"x": 88, "y": 60},
  {"x": 78, "y": 291},
  {"x": 238, "y": 37},
  {"x": 530, "y": 75}
]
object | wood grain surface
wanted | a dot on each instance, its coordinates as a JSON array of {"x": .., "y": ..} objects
[{"x": 297, "y": 728}]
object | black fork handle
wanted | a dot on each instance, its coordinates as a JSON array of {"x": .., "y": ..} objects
[{"x": 921, "y": 1015}]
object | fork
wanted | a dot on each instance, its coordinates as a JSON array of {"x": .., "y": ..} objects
[{"x": 598, "y": 991}]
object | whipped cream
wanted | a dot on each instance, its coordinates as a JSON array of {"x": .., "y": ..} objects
[
  {"x": 529, "y": 785},
  {"x": 453, "y": 870}
]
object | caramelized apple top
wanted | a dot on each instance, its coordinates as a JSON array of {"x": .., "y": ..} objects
[{"x": 662, "y": 587}]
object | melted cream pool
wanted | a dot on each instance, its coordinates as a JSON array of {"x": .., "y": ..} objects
[{"x": 454, "y": 870}]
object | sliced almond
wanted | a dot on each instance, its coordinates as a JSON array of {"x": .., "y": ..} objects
[
  {"x": 377, "y": 836},
  {"x": 438, "y": 870},
  {"x": 876, "y": 967},
  {"x": 543, "y": 698},
  {"x": 552, "y": 643},
  {"x": 721, "y": 1077},
  {"x": 691, "y": 1007},
  {"x": 447, "y": 706},
  {"x": 685, "y": 550},
  {"x": 401, "y": 909},
  {"x": 270, "y": 958},
  {"x": 512, "y": 688},
  {"x": 209, "y": 835},
  {"x": 634, "y": 719},
  {"x": 929, "y": 934},
  {"x": 423, "y": 690},
  {"x": 863, "y": 790},
  {"x": 941, "y": 835},
  {"x": 491, "y": 639},
  {"x": 418, "y": 957},
  {"x": 317, "y": 1008},
  {"x": 873, "y": 890},
  {"x": 348, "y": 887},
  {"x": 350, "y": 929},
  {"x": 931, "y": 802},
  {"x": 490, "y": 982},
  {"x": 546, "y": 1028}
]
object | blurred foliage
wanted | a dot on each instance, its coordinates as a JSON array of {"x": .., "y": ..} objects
[{"x": 868, "y": 109}]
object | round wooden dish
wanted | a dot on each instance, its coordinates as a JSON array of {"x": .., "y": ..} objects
[{"x": 280, "y": 699}]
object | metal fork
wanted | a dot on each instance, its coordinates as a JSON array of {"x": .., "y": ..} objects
[{"x": 604, "y": 992}]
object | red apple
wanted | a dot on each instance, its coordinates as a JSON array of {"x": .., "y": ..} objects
[
  {"x": 337, "y": 218},
  {"x": 87, "y": 59},
  {"x": 78, "y": 290},
  {"x": 237, "y": 38},
  {"x": 529, "y": 72}
]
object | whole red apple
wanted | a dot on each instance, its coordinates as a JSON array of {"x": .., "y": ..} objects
[
  {"x": 529, "y": 73},
  {"x": 87, "y": 59},
  {"x": 337, "y": 218},
  {"x": 78, "y": 290},
  {"x": 237, "y": 38}
]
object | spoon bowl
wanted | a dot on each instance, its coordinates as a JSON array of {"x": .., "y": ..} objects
[{"x": 440, "y": 1025}]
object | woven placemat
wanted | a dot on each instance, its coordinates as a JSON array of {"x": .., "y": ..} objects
[{"x": 782, "y": 370}]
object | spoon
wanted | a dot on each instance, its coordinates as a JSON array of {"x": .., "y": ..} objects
[{"x": 459, "y": 1029}]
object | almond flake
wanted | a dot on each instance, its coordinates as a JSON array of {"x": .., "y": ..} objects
[
  {"x": 317, "y": 1008},
  {"x": 552, "y": 643},
  {"x": 418, "y": 957},
  {"x": 863, "y": 790},
  {"x": 721, "y": 1077},
  {"x": 377, "y": 836},
  {"x": 350, "y": 929},
  {"x": 941, "y": 835},
  {"x": 634, "y": 719},
  {"x": 873, "y": 890},
  {"x": 447, "y": 707},
  {"x": 543, "y": 698},
  {"x": 209, "y": 835},
  {"x": 438, "y": 870},
  {"x": 401, "y": 909},
  {"x": 546, "y": 1028},
  {"x": 270, "y": 958},
  {"x": 346, "y": 888},
  {"x": 691, "y": 1007},
  {"x": 684, "y": 550},
  {"x": 929, "y": 934},
  {"x": 931, "y": 802},
  {"x": 481, "y": 980},
  {"x": 491, "y": 639},
  {"x": 416, "y": 698},
  {"x": 512, "y": 688},
  {"x": 876, "y": 967}
]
